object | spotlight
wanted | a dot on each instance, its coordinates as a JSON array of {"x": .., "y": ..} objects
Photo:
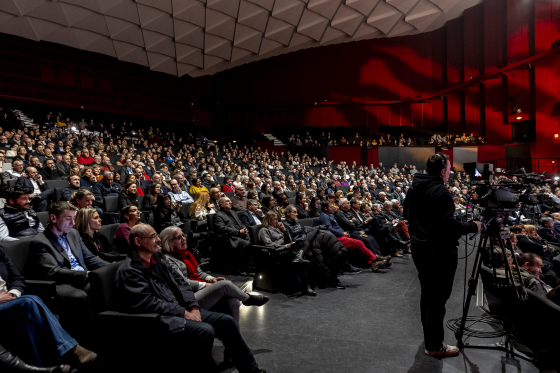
[
  {"x": 518, "y": 110},
  {"x": 556, "y": 136},
  {"x": 519, "y": 117},
  {"x": 234, "y": 141},
  {"x": 557, "y": 178},
  {"x": 74, "y": 128}
]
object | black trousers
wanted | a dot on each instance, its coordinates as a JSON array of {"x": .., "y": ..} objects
[{"x": 436, "y": 272}]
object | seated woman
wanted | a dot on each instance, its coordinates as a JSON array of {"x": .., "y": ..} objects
[
  {"x": 150, "y": 201},
  {"x": 88, "y": 223},
  {"x": 128, "y": 195},
  {"x": 265, "y": 191},
  {"x": 132, "y": 179},
  {"x": 197, "y": 187},
  {"x": 87, "y": 180},
  {"x": 85, "y": 158},
  {"x": 268, "y": 203},
  {"x": 96, "y": 171},
  {"x": 31, "y": 331},
  {"x": 168, "y": 214},
  {"x": 212, "y": 293},
  {"x": 315, "y": 207},
  {"x": 130, "y": 216},
  {"x": 200, "y": 208}
]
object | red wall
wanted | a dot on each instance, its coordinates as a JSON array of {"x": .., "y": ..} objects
[
  {"x": 488, "y": 153},
  {"x": 372, "y": 157},
  {"x": 283, "y": 90},
  {"x": 346, "y": 153},
  {"x": 48, "y": 73}
]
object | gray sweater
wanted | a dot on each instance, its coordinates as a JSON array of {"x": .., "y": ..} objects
[
  {"x": 273, "y": 237},
  {"x": 178, "y": 265}
]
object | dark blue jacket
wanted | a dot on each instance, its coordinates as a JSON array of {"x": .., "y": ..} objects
[
  {"x": 248, "y": 220},
  {"x": 100, "y": 190},
  {"x": 331, "y": 224}
]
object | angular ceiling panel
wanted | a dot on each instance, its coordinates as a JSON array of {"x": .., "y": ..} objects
[
  {"x": 191, "y": 55},
  {"x": 279, "y": 31},
  {"x": 220, "y": 24},
  {"x": 326, "y": 8},
  {"x": 229, "y": 7},
  {"x": 347, "y": 20},
  {"x": 312, "y": 25},
  {"x": 288, "y": 10},
  {"x": 187, "y": 33},
  {"x": 247, "y": 38},
  {"x": 192, "y": 11},
  {"x": 200, "y": 37},
  {"x": 363, "y": 6},
  {"x": 253, "y": 16}
]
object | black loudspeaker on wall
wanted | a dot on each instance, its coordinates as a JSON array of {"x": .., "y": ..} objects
[{"x": 524, "y": 131}]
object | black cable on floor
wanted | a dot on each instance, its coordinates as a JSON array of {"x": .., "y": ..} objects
[{"x": 454, "y": 325}]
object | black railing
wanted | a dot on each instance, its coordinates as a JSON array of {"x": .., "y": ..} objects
[{"x": 538, "y": 165}]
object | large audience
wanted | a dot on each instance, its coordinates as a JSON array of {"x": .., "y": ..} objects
[
  {"x": 328, "y": 220},
  {"x": 369, "y": 140}
]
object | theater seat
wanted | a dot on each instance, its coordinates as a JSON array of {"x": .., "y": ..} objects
[
  {"x": 43, "y": 218},
  {"x": 18, "y": 252},
  {"x": 110, "y": 206},
  {"x": 109, "y": 231}
]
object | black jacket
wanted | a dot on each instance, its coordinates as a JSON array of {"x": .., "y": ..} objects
[
  {"x": 302, "y": 213},
  {"x": 126, "y": 199},
  {"x": 9, "y": 273},
  {"x": 346, "y": 224},
  {"x": 530, "y": 245},
  {"x": 165, "y": 217},
  {"x": 429, "y": 209},
  {"x": 17, "y": 223},
  {"x": 227, "y": 228},
  {"x": 49, "y": 174},
  {"x": 25, "y": 182},
  {"x": 546, "y": 234},
  {"x": 154, "y": 290},
  {"x": 99, "y": 245}
]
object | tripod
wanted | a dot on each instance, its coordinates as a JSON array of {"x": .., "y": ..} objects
[{"x": 516, "y": 292}]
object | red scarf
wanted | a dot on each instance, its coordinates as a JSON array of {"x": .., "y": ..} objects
[{"x": 190, "y": 262}]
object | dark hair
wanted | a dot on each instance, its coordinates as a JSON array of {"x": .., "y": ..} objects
[
  {"x": 299, "y": 197},
  {"x": 266, "y": 200},
  {"x": 15, "y": 193},
  {"x": 517, "y": 228},
  {"x": 325, "y": 205},
  {"x": 528, "y": 258},
  {"x": 436, "y": 163},
  {"x": 57, "y": 208},
  {"x": 124, "y": 211},
  {"x": 354, "y": 200}
]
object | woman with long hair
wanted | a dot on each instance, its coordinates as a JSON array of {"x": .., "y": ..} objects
[
  {"x": 88, "y": 224},
  {"x": 315, "y": 207},
  {"x": 128, "y": 195},
  {"x": 200, "y": 208},
  {"x": 167, "y": 214},
  {"x": 265, "y": 191},
  {"x": 151, "y": 200},
  {"x": 197, "y": 187},
  {"x": 130, "y": 215}
]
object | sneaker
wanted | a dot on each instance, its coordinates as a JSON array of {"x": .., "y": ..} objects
[
  {"x": 340, "y": 285},
  {"x": 255, "y": 300},
  {"x": 387, "y": 265},
  {"x": 352, "y": 270},
  {"x": 378, "y": 264},
  {"x": 386, "y": 257},
  {"x": 444, "y": 351}
]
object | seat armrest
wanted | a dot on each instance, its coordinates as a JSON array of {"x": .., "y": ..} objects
[
  {"x": 46, "y": 290},
  {"x": 115, "y": 315}
]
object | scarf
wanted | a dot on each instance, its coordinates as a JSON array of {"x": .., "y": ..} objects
[{"x": 190, "y": 262}]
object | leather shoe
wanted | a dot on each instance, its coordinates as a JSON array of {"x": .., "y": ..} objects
[
  {"x": 308, "y": 291},
  {"x": 82, "y": 356},
  {"x": 14, "y": 364},
  {"x": 256, "y": 300}
]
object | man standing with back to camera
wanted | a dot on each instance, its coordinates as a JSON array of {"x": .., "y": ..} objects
[{"x": 435, "y": 235}]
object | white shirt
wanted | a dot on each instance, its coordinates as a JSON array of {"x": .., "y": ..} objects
[
  {"x": 4, "y": 289},
  {"x": 257, "y": 220},
  {"x": 36, "y": 189}
]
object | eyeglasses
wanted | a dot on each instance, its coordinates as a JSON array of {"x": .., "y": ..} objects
[
  {"x": 181, "y": 236},
  {"x": 151, "y": 236}
]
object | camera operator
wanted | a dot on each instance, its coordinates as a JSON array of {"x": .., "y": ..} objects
[{"x": 429, "y": 209}]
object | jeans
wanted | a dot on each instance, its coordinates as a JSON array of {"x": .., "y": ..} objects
[
  {"x": 31, "y": 331},
  {"x": 199, "y": 337},
  {"x": 221, "y": 295},
  {"x": 436, "y": 272}
]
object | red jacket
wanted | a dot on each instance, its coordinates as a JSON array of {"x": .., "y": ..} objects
[
  {"x": 227, "y": 189},
  {"x": 86, "y": 161}
]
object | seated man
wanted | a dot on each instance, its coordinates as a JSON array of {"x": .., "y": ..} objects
[
  {"x": 15, "y": 173},
  {"x": 59, "y": 254},
  {"x": 142, "y": 180},
  {"x": 215, "y": 196},
  {"x": 41, "y": 193},
  {"x": 17, "y": 219},
  {"x": 233, "y": 233},
  {"x": 253, "y": 215},
  {"x": 73, "y": 187},
  {"x": 351, "y": 224},
  {"x": 144, "y": 270},
  {"x": 530, "y": 265},
  {"x": 395, "y": 218},
  {"x": 64, "y": 166},
  {"x": 547, "y": 231},
  {"x": 327, "y": 218},
  {"x": 106, "y": 165},
  {"x": 50, "y": 172},
  {"x": 32, "y": 332},
  {"x": 239, "y": 201},
  {"x": 105, "y": 187},
  {"x": 178, "y": 195},
  {"x": 301, "y": 206},
  {"x": 127, "y": 169},
  {"x": 207, "y": 181},
  {"x": 277, "y": 190}
]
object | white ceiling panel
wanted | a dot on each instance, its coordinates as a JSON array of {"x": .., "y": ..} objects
[{"x": 202, "y": 37}]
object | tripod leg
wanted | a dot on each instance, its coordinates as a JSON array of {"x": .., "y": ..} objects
[{"x": 471, "y": 289}]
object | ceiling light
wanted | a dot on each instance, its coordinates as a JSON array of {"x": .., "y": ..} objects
[
  {"x": 556, "y": 178},
  {"x": 519, "y": 117},
  {"x": 556, "y": 136}
]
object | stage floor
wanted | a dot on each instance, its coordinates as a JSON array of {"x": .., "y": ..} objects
[{"x": 371, "y": 326}]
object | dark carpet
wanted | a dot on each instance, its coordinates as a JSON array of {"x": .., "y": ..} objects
[{"x": 372, "y": 326}]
